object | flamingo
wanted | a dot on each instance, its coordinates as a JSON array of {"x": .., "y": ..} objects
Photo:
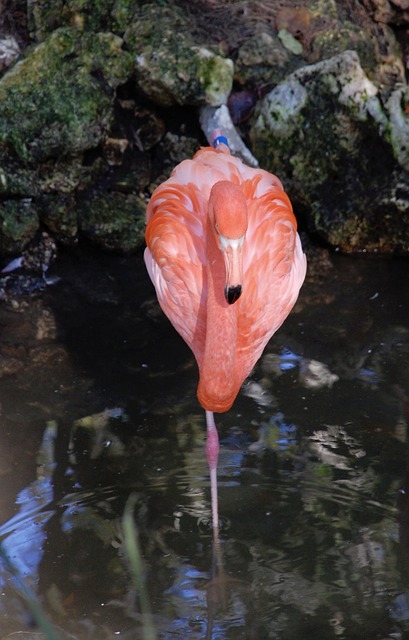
[{"x": 225, "y": 258}]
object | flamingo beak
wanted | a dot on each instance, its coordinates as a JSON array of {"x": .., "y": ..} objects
[{"x": 233, "y": 260}]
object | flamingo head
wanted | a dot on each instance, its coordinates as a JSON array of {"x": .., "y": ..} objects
[{"x": 228, "y": 216}]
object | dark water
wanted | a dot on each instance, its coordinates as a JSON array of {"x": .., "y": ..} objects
[{"x": 98, "y": 402}]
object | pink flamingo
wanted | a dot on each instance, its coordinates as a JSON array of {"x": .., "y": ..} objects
[{"x": 226, "y": 261}]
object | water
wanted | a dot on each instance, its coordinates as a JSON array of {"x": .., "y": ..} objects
[{"x": 98, "y": 402}]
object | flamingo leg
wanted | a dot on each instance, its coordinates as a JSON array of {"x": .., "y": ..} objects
[
  {"x": 212, "y": 452},
  {"x": 216, "y": 592}
]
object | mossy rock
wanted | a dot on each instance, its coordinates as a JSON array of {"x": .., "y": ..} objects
[
  {"x": 65, "y": 175},
  {"x": 17, "y": 179},
  {"x": 346, "y": 37},
  {"x": 114, "y": 221},
  {"x": 59, "y": 214},
  {"x": 335, "y": 31},
  {"x": 123, "y": 12},
  {"x": 59, "y": 99},
  {"x": 44, "y": 16},
  {"x": 18, "y": 225},
  {"x": 170, "y": 68},
  {"x": 262, "y": 59},
  {"x": 331, "y": 140}
]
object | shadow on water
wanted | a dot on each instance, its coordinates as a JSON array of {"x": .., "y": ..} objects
[{"x": 98, "y": 401}]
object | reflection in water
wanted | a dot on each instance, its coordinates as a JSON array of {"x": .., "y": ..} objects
[
  {"x": 313, "y": 458},
  {"x": 22, "y": 537}
]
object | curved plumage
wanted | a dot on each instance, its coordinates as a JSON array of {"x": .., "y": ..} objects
[{"x": 176, "y": 257}]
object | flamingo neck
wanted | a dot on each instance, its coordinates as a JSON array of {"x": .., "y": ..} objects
[{"x": 217, "y": 384}]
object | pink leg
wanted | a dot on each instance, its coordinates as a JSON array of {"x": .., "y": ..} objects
[{"x": 212, "y": 452}]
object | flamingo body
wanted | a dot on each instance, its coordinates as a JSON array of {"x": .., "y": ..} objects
[{"x": 185, "y": 263}]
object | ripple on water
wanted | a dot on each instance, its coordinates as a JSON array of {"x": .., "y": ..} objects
[{"x": 312, "y": 457}]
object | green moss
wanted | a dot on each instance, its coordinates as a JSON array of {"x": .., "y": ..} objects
[
  {"x": 262, "y": 59},
  {"x": 122, "y": 14},
  {"x": 170, "y": 68},
  {"x": 114, "y": 221},
  {"x": 17, "y": 179},
  {"x": 155, "y": 27},
  {"x": 323, "y": 8},
  {"x": 59, "y": 99},
  {"x": 215, "y": 77},
  {"x": 102, "y": 53},
  {"x": 92, "y": 16},
  {"x": 343, "y": 37},
  {"x": 324, "y": 143},
  {"x": 18, "y": 224},
  {"x": 44, "y": 16}
]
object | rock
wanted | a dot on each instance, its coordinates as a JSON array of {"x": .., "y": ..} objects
[
  {"x": 300, "y": 35},
  {"x": 345, "y": 37},
  {"x": 144, "y": 127},
  {"x": 123, "y": 13},
  {"x": 263, "y": 59},
  {"x": 397, "y": 128},
  {"x": 59, "y": 214},
  {"x": 44, "y": 16},
  {"x": 9, "y": 366},
  {"x": 18, "y": 224},
  {"x": 379, "y": 53},
  {"x": 17, "y": 179},
  {"x": 394, "y": 12},
  {"x": 80, "y": 142},
  {"x": 289, "y": 42},
  {"x": 113, "y": 221},
  {"x": 341, "y": 153},
  {"x": 9, "y": 51},
  {"x": 316, "y": 375},
  {"x": 171, "y": 150},
  {"x": 37, "y": 257},
  {"x": 113, "y": 151},
  {"x": 335, "y": 27},
  {"x": 170, "y": 67},
  {"x": 67, "y": 83}
]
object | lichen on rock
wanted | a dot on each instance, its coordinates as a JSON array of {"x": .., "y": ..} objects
[
  {"x": 325, "y": 132},
  {"x": 58, "y": 100},
  {"x": 170, "y": 68}
]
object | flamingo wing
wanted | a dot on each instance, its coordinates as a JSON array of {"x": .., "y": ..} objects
[
  {"x": 274, "y": 264},
  {"x": 174, "y": 258},
  {"x": 274, "y": 270}
]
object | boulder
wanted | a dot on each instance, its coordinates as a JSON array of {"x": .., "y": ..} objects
[
  {"x": 342, "y": 151},
  {"x": 170, "y": 67},
  {"x": 56, "y": 104}
]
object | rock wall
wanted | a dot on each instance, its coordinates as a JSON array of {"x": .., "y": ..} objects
[{"x": 97, "y": 104}]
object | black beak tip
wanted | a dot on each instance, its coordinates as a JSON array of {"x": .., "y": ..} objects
[{"x": 232, "y": 294}]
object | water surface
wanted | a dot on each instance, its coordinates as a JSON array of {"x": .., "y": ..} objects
[{"x": 98, "y": 402}]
